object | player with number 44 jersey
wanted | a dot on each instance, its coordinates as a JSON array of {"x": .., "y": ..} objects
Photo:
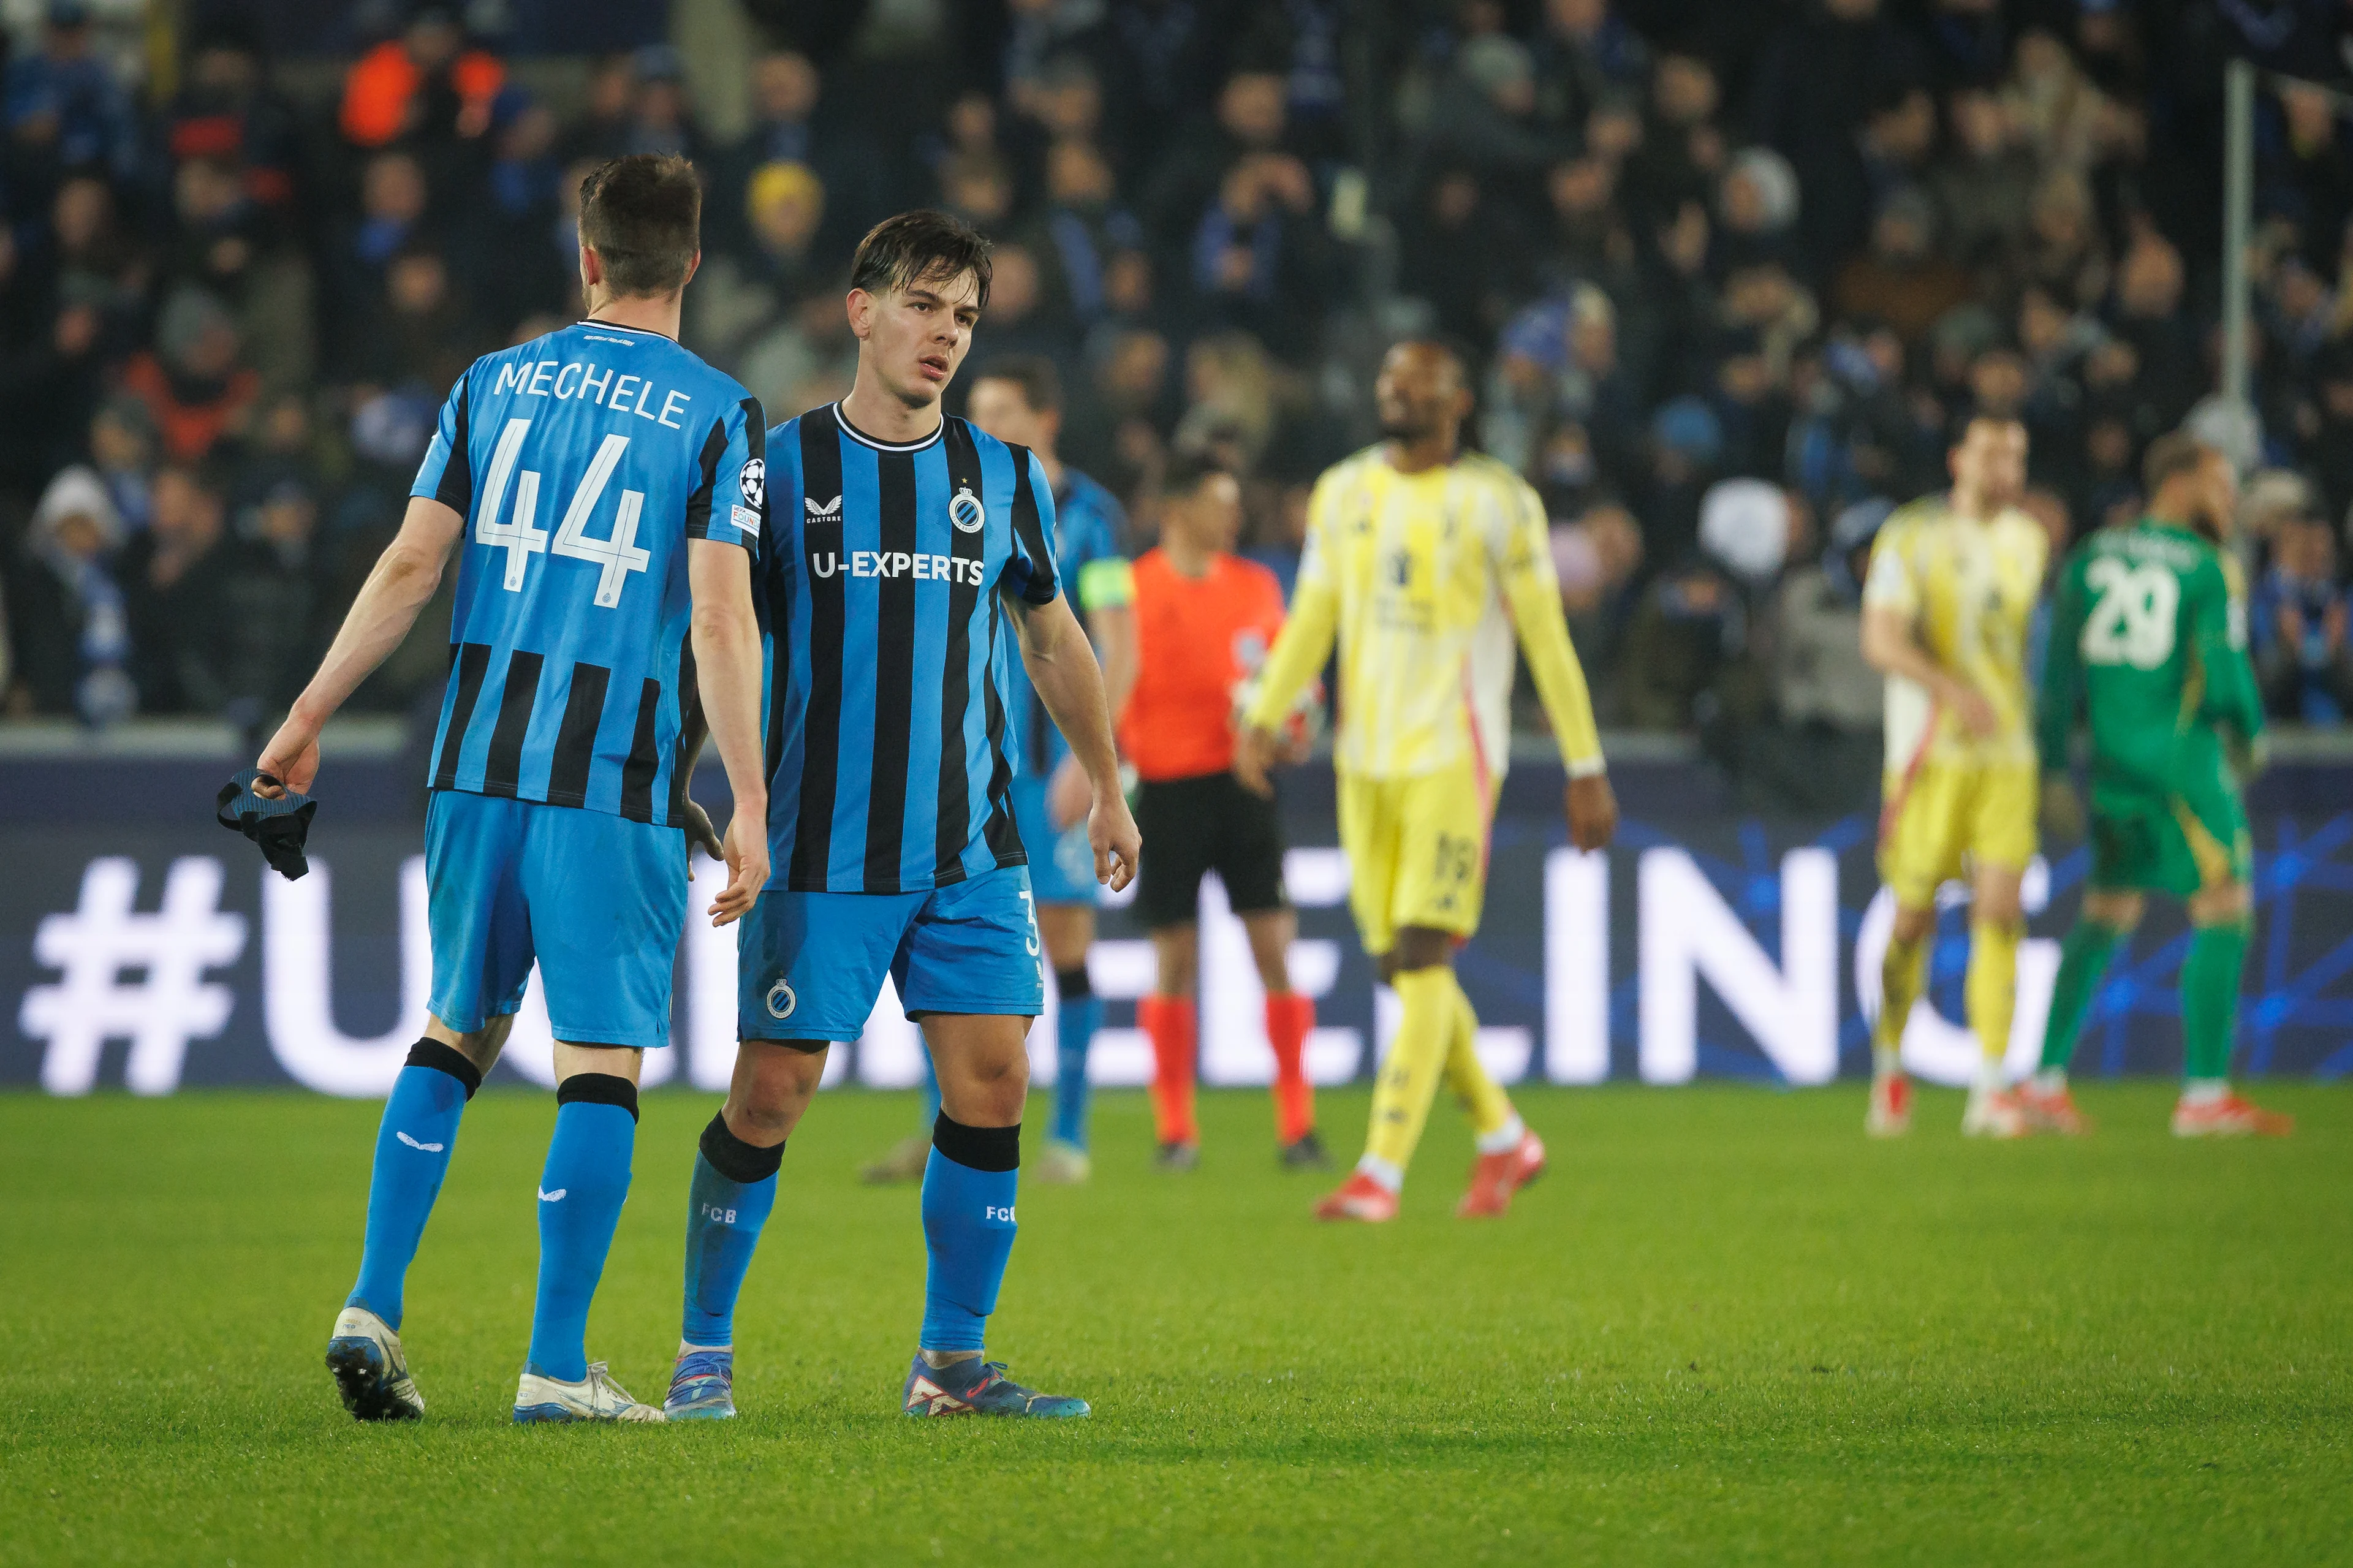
[
  {"x": 2149, "y": 642},
  {"x": 601, "y": 491}
]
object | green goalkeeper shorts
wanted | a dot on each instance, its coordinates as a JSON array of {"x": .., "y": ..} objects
[{"x": 2178, "y": 843}]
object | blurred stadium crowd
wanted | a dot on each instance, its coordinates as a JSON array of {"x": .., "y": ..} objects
[{"x": 1729, "y": 271}]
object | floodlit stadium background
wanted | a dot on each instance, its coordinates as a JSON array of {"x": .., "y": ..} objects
[{"x": 249, "y": 246}]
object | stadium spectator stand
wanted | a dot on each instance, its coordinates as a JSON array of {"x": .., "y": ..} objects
[{"x": 1689, "y": 243}]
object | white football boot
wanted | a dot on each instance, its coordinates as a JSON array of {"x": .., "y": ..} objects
[
  {"x": 366, "y": 1357},
  {"x": 595, "y": 1397}
]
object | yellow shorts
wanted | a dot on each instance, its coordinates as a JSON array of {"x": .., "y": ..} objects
[
  {"x": 1947, "y": 818},
  {"x": 1416, "y": 852}
]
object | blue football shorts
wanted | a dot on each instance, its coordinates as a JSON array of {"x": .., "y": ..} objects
[
  {"x": 1061, "y": 864},
  {"x": 811, "y": 965},
  {"x": 597, "y": 899}
]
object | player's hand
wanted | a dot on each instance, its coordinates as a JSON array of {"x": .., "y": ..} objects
[
  {"x": 746, "y": 850},
  {"x": 701, "y": 835},
  {"x": 1068, "y": 794},
  {"x": 2062, "y": 809},
  {"x": 1111, "y": 829},
  {"x": 1592, "y": 811},
  {"x": 1297, "y": 746},
  {"x": 1977, "y": 716},
  {"x": 1254, "y": 752},
  {"x": 291, "y": 758}
]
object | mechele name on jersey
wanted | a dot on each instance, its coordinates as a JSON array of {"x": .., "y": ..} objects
[
  {"x": 615, "y": 394},
  {"x": 899, "y": 564}
]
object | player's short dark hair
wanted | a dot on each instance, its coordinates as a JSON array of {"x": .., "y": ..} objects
[
  {"x": 642, "y": 216},
  {"x": 1041, "y": 382},
  {"x": 1971, "y": 421},
  {"x": 921, "y": 246},
  {"x": 1446, "y": 345},
  {"x": 1187, "y": 468},
  {"x": 2175, "y": 452}
]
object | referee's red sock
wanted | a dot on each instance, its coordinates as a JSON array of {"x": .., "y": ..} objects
[
  {"x": 1288, "y": 1020},
  {"x": 1168, "y": 1020}
]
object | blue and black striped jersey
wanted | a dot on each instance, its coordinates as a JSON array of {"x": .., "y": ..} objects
[
  {"x": 1088, "y": 525},
  {"x": 600, "y": 450},
  {"x": 884, "y": 571}
]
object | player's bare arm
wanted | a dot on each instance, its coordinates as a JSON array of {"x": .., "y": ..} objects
[
  {"x": 400, "y": 585},
  {"x": 1890, "y": 647},
  {"x": 726, "y": 636},
  {"x": 1061, "y": 666}
]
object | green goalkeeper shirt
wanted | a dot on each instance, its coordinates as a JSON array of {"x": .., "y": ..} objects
[{"x": 2148, "y": 631}]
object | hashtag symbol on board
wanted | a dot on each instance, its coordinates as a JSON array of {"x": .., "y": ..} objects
[{"x": 167, "y": 1003}]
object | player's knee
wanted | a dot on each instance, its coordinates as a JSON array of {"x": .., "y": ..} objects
[
  {"x": 1175, "y": 952},
  {"x": 2008, "y": 920},
  {"x": 1420, "y": 947},
  {"x": 773, "y": 1085},
  {"x": 1911, "y": 924},
  {"x": 1068, "y": 932},
  {"x": 2226, "y": 905},
  {"x": 2120, "y": 912},
  {"x": 991, "y": 1090}
]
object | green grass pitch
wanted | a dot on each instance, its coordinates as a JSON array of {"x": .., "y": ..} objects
[{"x": 1725, "y": 1328}]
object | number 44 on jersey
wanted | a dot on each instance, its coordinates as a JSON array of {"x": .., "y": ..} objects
[{"x": 616, "y": 555}]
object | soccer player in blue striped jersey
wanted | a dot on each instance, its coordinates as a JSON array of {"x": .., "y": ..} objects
[
  {"x": 1018, "y": 400},
  {"x": 603, "y": 490},
  {"x": 907, "y": 557}
]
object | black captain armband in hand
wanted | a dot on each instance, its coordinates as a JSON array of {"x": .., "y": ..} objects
[{"x": 277, "y": 826}]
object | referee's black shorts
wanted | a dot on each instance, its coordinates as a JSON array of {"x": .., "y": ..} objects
[{"x": 1192, "y": 826}]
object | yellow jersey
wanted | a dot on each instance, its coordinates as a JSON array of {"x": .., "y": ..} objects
[
  {"x": 1968, "y": 589},
  {"x": 1422, "y": 578}
]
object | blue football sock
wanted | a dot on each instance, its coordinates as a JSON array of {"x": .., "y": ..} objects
[
  {"x": 931, "y": 1093},
  {"x": 1074, "y": 1031},
  {"x": 725, "y": 1211},
  {"x": 412, "y": 1155},
  {"x": 969, "y": 1227},
  {"x": 580, "y": 1197}
]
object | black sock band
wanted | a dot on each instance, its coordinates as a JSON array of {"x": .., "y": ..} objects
[
  {"x": 599, "y": 1089},
  {"x": 978, "y": 1148},
  {"x": 741, "y": 1162},
  {"x": 1071, "y": 983},
  {"x": 443, "y": 1058}
]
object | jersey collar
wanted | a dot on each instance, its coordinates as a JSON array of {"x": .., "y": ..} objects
[
  {"x": 863, "y": 439},
  {"x": 594, "y": 325}
]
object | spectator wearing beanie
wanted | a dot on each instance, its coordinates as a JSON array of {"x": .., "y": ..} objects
[{"x": 65, "y": 608}]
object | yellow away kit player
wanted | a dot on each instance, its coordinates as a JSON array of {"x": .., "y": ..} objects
[
  {"x": 1953, "y": 584},
  {"x": 1421, "y": 560}
]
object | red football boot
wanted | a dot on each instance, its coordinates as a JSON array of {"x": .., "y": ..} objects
[
  {"x": 1495, "y": 1177},
  {"x": 1890, "y": 1115},
  {"x": 2229, "y": 1117},
  {"x": 1358, "y": 1199},
  {"x": 2051, "y": 1110}
]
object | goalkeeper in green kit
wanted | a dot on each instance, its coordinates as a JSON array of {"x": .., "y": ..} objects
[{"x": 2148, "y": 640}]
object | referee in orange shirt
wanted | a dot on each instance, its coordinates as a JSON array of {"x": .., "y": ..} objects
[{"x": 1204, "y": 620}]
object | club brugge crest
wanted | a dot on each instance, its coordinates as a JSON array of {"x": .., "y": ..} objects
[
  {"x": 781, "y": 1000},
  {"x": 965, "y": 512},
  {"x": 755, "y": 480}
]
